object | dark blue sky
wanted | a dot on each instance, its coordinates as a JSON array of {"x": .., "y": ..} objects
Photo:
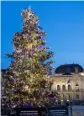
[{"x": 63, "y": 21}]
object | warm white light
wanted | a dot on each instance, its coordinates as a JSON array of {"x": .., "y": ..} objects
[
  {"x": 26, "y": 87},
  {"x": 82, "y": 74},
  {"x": 67, "y": 100},
  {"x": 62, "y": 100}
]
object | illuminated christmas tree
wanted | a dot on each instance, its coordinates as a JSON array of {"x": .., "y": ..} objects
[{"x": 30, "y": 66}]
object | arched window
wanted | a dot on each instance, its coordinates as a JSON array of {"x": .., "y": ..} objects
[
  {"x": 69, "y": 88},
  {"x": 63, "y": 88},
  {"x": 77, "y": 87},
  {"x": 58, "y": 88}
]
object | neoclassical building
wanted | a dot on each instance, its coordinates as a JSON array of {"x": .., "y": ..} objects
[{"x": 69, "y": 82}]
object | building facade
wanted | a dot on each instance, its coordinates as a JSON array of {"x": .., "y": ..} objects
[{"x": 69, "y": 87}]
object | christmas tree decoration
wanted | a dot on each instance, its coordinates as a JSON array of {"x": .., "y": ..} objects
[{"x": 29, "y": 67}]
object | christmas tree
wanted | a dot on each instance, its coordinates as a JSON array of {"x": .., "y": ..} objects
[{"x": 27, "y": 76}]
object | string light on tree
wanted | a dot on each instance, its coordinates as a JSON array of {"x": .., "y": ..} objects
[{"x": 30, "y": 63}]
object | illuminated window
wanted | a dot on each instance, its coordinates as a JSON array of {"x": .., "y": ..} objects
[
  {"x": 69, "y": 88},
  {"x": 58, "y": 88},
  {"x": 63, "y": 88}
]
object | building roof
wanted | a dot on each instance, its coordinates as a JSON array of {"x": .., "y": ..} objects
[{"x": 68, "y": 69}]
